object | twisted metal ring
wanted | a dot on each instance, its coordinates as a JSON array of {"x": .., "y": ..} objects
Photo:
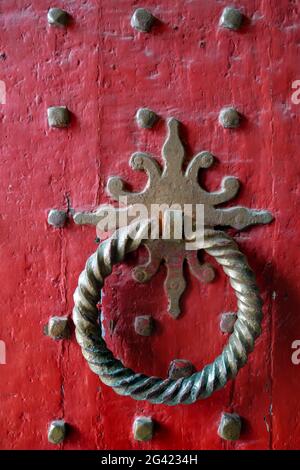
[{"x": 153, "y": 389}]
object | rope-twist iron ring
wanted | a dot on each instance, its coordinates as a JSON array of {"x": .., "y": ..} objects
[{"x": 154, "y": 389}]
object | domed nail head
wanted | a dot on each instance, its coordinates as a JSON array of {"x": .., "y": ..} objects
[
  {"x": 56, "y": 432},
  {"x": 230, "y": 427},
  {"x": 142, "y": 20},
  {"x": 58, "y": 17},
  {"x": 58, "y": 328},
  {"x": 146, "y": 118},
  {"x": 229, "y": 118},
  {"x": 180, "y": 368},
  {"x": 143, "y": 428},
  {"x": 227, "y": 322},
  {"x": 57, "y": 218},
  {"x": 144, "y": 325},
  {"x": 231, "y": 18}
]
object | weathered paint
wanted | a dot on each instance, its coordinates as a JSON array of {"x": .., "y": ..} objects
[{"x": 103, "y": 71}]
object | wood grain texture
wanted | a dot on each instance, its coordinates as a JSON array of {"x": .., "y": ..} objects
[{"x": 103, "y": 71}]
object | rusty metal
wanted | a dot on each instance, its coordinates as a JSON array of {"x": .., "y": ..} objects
[{"x": 141, "y": 387}]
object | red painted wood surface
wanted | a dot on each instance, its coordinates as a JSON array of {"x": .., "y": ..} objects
[{"x": 103, "y": 71}]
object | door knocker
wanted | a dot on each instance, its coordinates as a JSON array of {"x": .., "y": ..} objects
[{"x": 169, "y": 185}]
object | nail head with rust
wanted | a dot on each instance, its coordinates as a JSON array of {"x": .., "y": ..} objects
[
  {"x": 142, "y": 20},
  {"x": 231, "y": 18},
  {"x": 56, "y": 432},
  {"x": 143, "y": 428},
  {"x": 230, "y": 426},
  {"x": 58, "y": 17},
  {"x": 58, "y": 116},
  {"x": 229, "y": 118}
]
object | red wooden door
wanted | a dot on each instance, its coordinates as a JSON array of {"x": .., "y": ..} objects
[{"x": 103, "y": 70}]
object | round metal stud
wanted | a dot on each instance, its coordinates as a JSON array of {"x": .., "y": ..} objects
[
  {"x": 143, "y": 428},
  {"x": 227, "y": 322},
  {"x": 230, "y": 426},
  {"x": 146, "y": 118},
  {"x": 58, "y": 328},
  {"x": 180, "y": 368},
  {"x": 58, "y": 17},
  {"x": 154, "y": 389},
  {"x": 229, "y": 118},
  {"x": 57, "y": 218},
  {"x": 144, "y": 325},
  {"x": 231, "y": 18},
  {"x": 142, "y": 20},
  {"x": 206, "y": 159},
  {"x": 56, "y": 432}
]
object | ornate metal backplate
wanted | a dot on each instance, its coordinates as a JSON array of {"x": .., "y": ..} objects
[{"x": 170, "y": 185}]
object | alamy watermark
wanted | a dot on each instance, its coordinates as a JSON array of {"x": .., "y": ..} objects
[
  {"x": 2, "y": 92},
  {"x": 296, "y": 94},
  {"x": 2, "y": 352},
  {"x": 167, "y": 222},
  {"x": 296, "y": 354}
]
